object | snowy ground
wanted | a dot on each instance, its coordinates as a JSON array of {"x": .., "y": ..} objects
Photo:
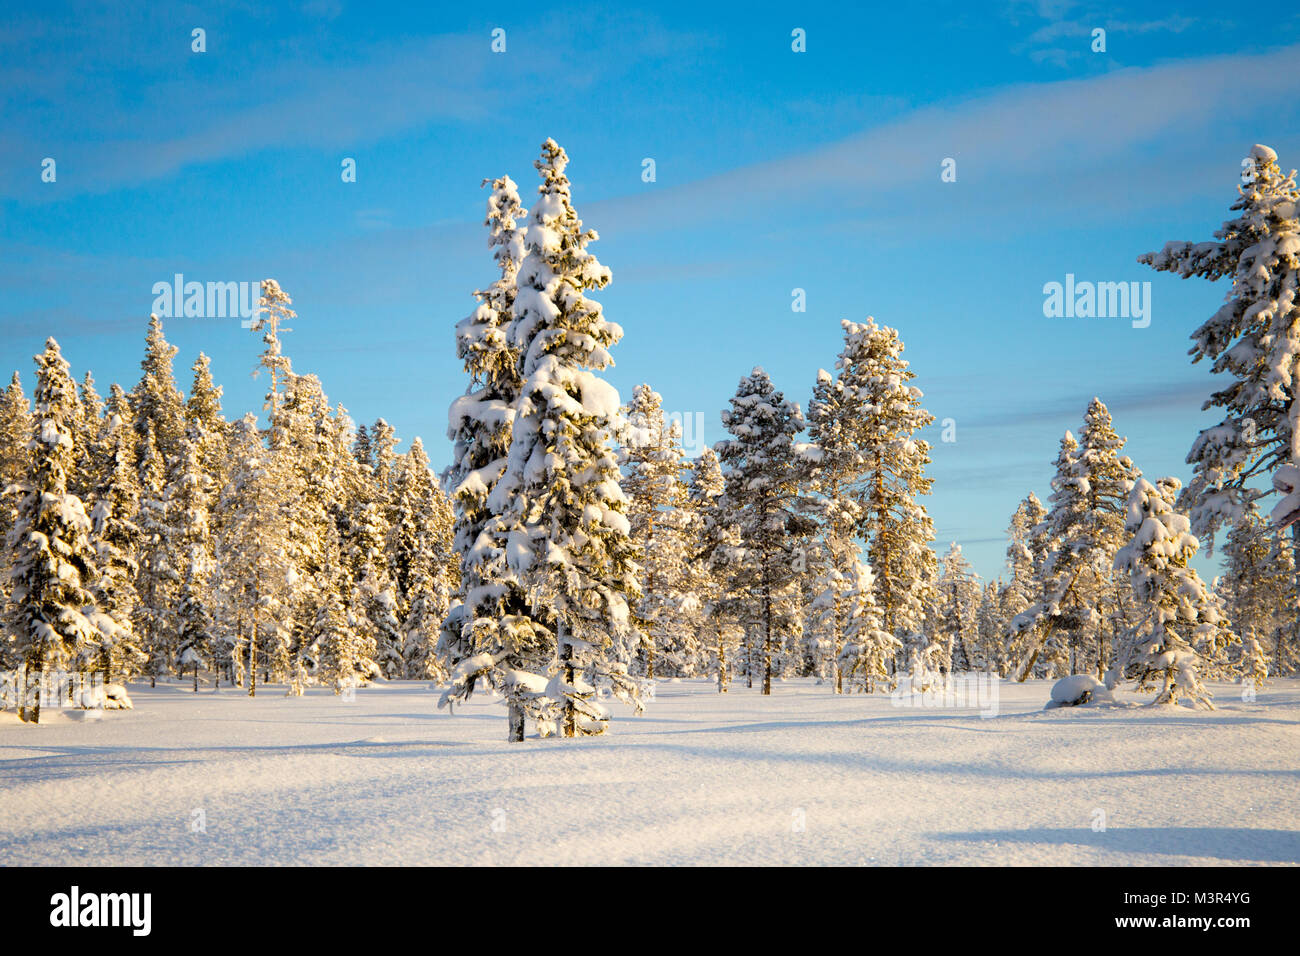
[{"x": 800, "y": 777}]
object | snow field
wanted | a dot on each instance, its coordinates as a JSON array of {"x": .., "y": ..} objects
[{"x": 802, "y": 777}]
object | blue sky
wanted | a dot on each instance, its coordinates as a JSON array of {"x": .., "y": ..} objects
[{"x": 775, "y": 170}]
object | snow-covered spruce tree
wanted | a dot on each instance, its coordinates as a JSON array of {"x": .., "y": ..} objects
[
  {"x": 764, "y": 500},
  {"x": 895, "y": 525},
  {"x": 339, "y": 652},
  {"x": 366, "y": 540},
  {"x": 116, "y": 536},
  {"x": 1081, "y": 606},
  {"x": 253, "y": 565},
  {"x": 490, "y": 633},
  {"x": 420, "y": 560},
  {"x": 306, "y": 447},
  {"x": 652, "y": 458},
  {"x": 54, "y": 618},
  {"x": 1026, "y": 551},
  {"x": 959, "y": 594},
  {"x": 158, "y": 418},
  {"x": 90, "y": 410},
  {"x": 15, "y": 435},
  {"x": 1178, "y": 621},
  {"x": 207, "y": 428},
  {"x": 1041, "y": 631},
  {"x": 559, "y": 497},
  {"x": 383, "y": 455},
  {"x": 204, "y": 423},
  {"x": 1254, "y": 340},
  {"x": 156, "y": 578},
  {"x": 868, "y": 649},
  {"x": 188, "y": 499},
  {"x": 719, "y": 634},
  {"x": 990, "y": 630}
]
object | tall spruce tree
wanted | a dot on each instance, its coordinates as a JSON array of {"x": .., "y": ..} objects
[
  {"x": 117, "y": 535},
  {"x": 54, "y": 617},
  {"x": 1179, "y": 623},
  {"x": 1253, "y": 340},
  {"x": 559, "y": 497},
  {"x": 1082, "y": 608},
  {"x": 489, "y": 634}
]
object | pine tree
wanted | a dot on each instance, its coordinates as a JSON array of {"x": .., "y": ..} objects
[
  {"x": 895, "y": 525},
  {"x": 559, "y": 495},
  {"x": 1179, "y": 623},
  {"x": 834, "y": 419},
  {"x": 764, "y": 500},
  {"x": 54, "y": 617},
  {"x": 272, "y": 311}
]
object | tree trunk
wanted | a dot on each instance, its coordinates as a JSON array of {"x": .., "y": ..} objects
[
  {"x": 839, "y": 646},
  {"x": 34, "y": 715},
  {"x": 722, "y": 665},
  {"x": 566, "y": 655},
  {"x": 767, "y": 638},
  {"x": 196, "y": 678},
  {"x": 252, "y": 661},
  {"x": 1295, "y": 631},
  {"x": 516, "y": 717},
  {"x": 22, "y": 694}
]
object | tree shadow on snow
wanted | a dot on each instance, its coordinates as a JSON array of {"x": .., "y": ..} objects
[{"x": 1220, "y": 843}]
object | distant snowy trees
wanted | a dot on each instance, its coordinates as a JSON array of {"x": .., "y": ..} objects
[
  {"x": 572, "y": 551},
  {"x": 147, "y": 535},
  {"x": 653, "y": 463}
]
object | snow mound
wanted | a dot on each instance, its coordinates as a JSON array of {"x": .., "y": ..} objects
[
  {"x": 115, "y": 698},
  {"x": 1078, "y": 689}
]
